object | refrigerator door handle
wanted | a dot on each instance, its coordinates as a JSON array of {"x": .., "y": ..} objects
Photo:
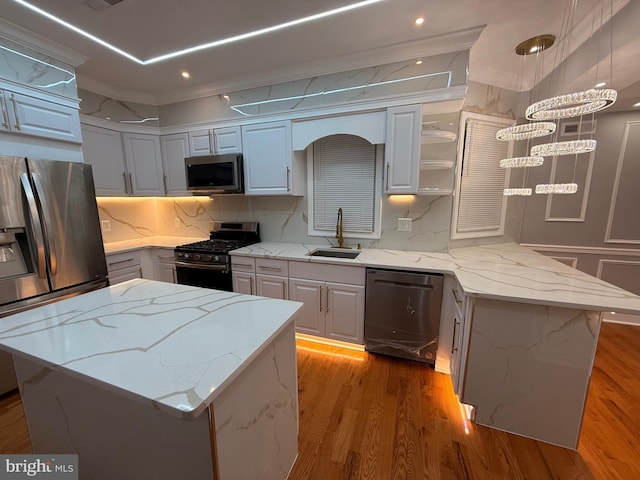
[
  {"x": 36, "y": 227},
  {"x": 46, "y": 215}
]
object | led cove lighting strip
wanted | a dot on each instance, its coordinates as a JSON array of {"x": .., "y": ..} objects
[
  {"x": 337, "y": 90},
  {"x": 73, "y": 76},
  {"x": 196, "y": 48}
]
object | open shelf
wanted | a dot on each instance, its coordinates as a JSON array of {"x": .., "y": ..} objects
[
  {"x": 436, "y": 164},
  {"x": 433, "y": 135}
]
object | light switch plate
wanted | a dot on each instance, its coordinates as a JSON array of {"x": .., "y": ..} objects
[
  {"x": 105, "y": 225},
  {"x": 404, "y": 224}
]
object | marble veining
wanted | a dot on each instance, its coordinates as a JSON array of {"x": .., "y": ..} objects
[
  {"x": 175, "y": 347},
  {"x": 119, "y": 111},
  {"x": 503, "y": 272}
]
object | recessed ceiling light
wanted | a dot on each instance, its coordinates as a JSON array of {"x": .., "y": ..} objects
[
  {"x": 195, "y": 48},
  {"x": 419, "y": 21},
  {"x": 185, "y": 74},
  {"x": 601, "y": 84},
  {"x": 636, "y": 104},
  {"x": 419, "y": 61}
]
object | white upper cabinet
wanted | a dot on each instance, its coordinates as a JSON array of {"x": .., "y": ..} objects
[
  {"x": 215, "y": 141},
  {"x": 144, "y": 164},
  {"x": 175, "y": 148},
  {"x": 268, "y": 159},
  {"x": 402, "y": 149},
  {"x": 38, "y": 117},
  {"x": 102, "y": 149}
]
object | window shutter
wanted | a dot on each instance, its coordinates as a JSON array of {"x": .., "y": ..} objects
[
  {"x": 480, "y": 207},
  {"x": 344, "y": 168}
]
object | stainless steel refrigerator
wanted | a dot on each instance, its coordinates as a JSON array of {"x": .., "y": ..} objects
[{"x": 50, "y": 240}]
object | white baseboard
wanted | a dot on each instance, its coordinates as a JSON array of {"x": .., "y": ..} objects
[{"x": 622, "y": 319}]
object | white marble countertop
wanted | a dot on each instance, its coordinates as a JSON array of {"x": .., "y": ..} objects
[
  {"x": 504, "y": 271},
  {"x": 148, "y": 242},
  {"x": 174, "y": 347}
]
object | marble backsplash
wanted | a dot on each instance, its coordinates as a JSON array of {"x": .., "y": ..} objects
[{"x": 282, "y": 219}]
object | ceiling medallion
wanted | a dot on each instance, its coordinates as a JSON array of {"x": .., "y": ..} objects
[
  {"x": 511, "y": 192},
  {"x": 519, "y": 162},
  {"x": 526, "y": 131},
  {"x": 563, "y": 148},
  {"x": 560, "y": 188},
  {"x": 572, "y": 104}
]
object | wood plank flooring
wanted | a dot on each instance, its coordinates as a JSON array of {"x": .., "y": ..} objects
[{"x": 373, "y": 417}]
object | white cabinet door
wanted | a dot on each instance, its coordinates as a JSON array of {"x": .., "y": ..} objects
[
  {"x": 102, "y": 149},
  {"x": 144, "y": 163},
  {"x": 272, "y": 286},
  {"x": 216, "y": 141},
  {"x": 344, "y": 312},
  {"x": 456, "y": 351},
  {"x": 227, "y": 140},
  {"x": 167, "y": 271},
  {"x": 402, "y": 149},
  {"x": 22, "y": 114},
  {"x": 244, "y": 283},
  {"x": 310, "y": 318},
  {"x": 267, "y": 158},
  {"x": 175, "y": 148}
]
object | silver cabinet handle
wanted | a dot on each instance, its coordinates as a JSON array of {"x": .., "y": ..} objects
[
  {"x": 284, "y": 290},
  {"x": 454, "y": 347},
  {"x": 36, "y": 227},
  {"x": 5, "y": 114},
  {"x": 288, "y": 185},
  {"x": 175, "y": 275},
  {"x": 387, "y": 179},
  {"x": 248, "y": 265},
  {"x": 46, "y": 216},
  {"x": 119, "y": 262},
  {"x": 273, "y": 269},
  {"x": 126, "y": 186},
  {"x": 212, "y": 142},
  {"x": 455, "y": 296},
  {"x": 131, "y": 183},
  {"x": 320, "y": 297},
  {"x": 164, "y": 181},
  {"x": 327, "y": 307},
  {"x": 250, "y": 285},
  {"x": 15, "y": 111}
]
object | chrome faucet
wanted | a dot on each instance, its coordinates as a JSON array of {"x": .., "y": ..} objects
[{"x": 340, "y": 230}]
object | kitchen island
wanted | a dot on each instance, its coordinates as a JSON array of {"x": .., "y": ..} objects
[
  {"x": 148, "y": 379},
  {"x": 518, "y": 331}
]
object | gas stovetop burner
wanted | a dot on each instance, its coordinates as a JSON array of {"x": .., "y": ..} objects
[{"x": 222, "y": 246}]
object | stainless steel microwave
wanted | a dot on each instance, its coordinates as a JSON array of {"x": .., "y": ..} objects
[{"x": 215, "y": 174}]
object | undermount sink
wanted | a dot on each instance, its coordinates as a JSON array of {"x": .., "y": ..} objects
[{"x": 334, "y": 253}]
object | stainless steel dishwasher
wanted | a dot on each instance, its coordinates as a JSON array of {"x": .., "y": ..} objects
[{"x": 402, "y": 314}]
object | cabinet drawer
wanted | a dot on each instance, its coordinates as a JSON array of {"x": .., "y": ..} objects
[
  {"x": 269, "y": 266},
  {"x": 124, "y": 274},
  {"x": 243, "y": 264},
  {"x": 328, "y": 273},
  {"x": 119, "y": 261}
]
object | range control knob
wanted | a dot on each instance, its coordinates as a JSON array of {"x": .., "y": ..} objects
[
  {"x": 216, "y": 258},
  {"x": 196, "y": 256},
  {"x": 206, "y": 258},
  {"x": 186, "y": 255}
]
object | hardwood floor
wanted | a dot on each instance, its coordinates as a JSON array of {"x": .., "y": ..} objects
[{"x": 373, "y": 417}]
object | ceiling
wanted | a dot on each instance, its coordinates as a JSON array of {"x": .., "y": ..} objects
[{"x": 378, "y": 33}]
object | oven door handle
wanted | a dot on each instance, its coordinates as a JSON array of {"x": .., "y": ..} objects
[{"x": 203, "y": 266}]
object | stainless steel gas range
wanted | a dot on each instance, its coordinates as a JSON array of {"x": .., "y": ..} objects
[{"x": 208, "y": 263}]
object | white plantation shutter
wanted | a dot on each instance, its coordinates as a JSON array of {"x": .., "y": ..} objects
[
  {"x": 344, "y": 174},
  {"x": 480, "y": 207}
]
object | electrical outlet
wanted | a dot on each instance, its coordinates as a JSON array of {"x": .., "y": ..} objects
[
  {"x": 177, "y": 222},
  {"x": 404, "y": 224},
  {"x": 105, "y": 225}
]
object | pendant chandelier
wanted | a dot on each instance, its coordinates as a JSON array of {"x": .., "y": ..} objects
[{"x": 543, "y": 113}]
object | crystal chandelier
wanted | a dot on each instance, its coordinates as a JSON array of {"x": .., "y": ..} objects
[
  {"x": 520, "y": 162},
  {"x": 572, "y": 104},
  {"x": 526, "y": 131},
  {"x": 564, "y": 148}
]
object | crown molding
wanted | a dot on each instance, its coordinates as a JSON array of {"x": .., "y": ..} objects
[{"x": 38, "y": 43}]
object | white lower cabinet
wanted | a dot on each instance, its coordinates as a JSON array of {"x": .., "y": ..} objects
[
  {"x": 272, "y": 278},
  {"x": 243, "y": 275},
  {"x": 333, "y": 298},
  {"x": 123, "y": 266},
  {"x": 164, "y": 265}
]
